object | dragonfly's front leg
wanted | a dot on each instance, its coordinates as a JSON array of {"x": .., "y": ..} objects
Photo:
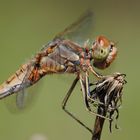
[
  {"x": 86, "y": 94},
  {"x": 99, "y": 76}
]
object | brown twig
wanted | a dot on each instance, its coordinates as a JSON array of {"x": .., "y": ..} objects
[{"x": 98, "y": 126}]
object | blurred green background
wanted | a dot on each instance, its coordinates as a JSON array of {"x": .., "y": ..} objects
[{"x": 25, "y": 25}]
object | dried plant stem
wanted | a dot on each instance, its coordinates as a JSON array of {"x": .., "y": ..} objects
[{"x": 99, "y": 122}]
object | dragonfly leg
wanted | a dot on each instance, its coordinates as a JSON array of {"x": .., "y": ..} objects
[
  {"x": 86, "y": 92},
  {"x": 65, "y": 102},
  {"x": 99, "y": 76}
]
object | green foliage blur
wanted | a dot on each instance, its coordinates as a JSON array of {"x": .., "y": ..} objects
[{"x": 26, "y": 25}]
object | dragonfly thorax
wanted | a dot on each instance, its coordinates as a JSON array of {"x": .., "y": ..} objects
[{"x": 85, "y": 59}]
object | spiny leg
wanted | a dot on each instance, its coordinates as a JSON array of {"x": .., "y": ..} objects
[
  {"x": 85, "y": 89},
  {"x": 65, "y": 102},
  {"x": 88, "y": 88},
  {"x": 99, "y": 76}
]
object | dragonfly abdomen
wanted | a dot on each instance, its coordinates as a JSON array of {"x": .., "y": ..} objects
[{"x": 15, "y": 83}]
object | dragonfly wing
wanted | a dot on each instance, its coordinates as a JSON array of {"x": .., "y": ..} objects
[
  {"x": 16, "y": 102},
  {"x": 27, "y": 97},
  {"x": 80, "y": 30},
  {"x": 23, "y": 99},
  {"x": 20, "y": 99}
]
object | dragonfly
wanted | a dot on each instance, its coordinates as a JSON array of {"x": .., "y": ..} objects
[{"x": 68, "y": 52}]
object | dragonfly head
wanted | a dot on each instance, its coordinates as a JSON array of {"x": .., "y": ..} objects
[{"x": 103, "y": 52}]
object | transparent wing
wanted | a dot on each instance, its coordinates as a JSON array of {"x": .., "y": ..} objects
[
  {"x": 24, "y": 99},
  {"x": 81, "y": 30},
  {"x": 16, "y": 102}
]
